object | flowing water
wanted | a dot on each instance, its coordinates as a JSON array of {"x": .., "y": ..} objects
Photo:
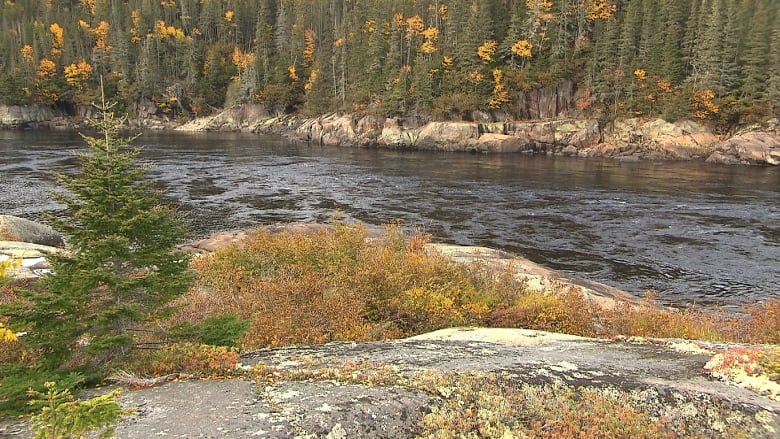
[{"x": 693, "y": 232}]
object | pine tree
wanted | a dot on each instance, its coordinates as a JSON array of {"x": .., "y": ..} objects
[
  {"x": 121, "y": 267},
  {"x": 756, "y": 56},
  {"x": 672, "y": 65},
  {"x": 773, "y": 86}
]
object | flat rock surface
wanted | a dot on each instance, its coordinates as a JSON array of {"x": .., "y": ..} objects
[{"x": 668, "y": 376}]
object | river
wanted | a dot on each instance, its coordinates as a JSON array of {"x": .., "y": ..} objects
[{"x": 695, "y": 233}]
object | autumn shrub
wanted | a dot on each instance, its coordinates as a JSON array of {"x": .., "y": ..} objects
[
  {"x": 333, "y": 283},
  {"x": 191, "y": 358},
  {"x": 651, "y": 319},
  {"x": 419, "y": 291},
  {"x": 342, "y": 283},
  {"x": 561, "y": 310},
  {"x": 762, "y": 324},
  {"x": 770, "y": 363}
]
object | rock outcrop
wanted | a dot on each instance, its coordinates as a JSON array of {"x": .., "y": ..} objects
[
  {"x": 31, "y": 259},
  {"x": 238, "y": 118},
  {"x": 25, "y": 116},
  {"x": 19, "y": 229},
  {"x": 752, "y": 148},
  {"x": 27, "y": 244},
  {"x": 547, "y": 102}
]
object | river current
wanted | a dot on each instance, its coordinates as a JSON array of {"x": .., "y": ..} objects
[{"x": 692, "y": 232}]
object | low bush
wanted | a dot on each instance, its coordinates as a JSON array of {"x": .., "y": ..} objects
[
  {"x": 221, "y": 330},
  {"x": 770, "y": 363},
  {"x": 333, "y": 284},
  {"x": 762, "y": 324},
  {"x": 563, "y": 310},
  {"x": 337, "y": 283},
  {"x": 199, "y": 360}
]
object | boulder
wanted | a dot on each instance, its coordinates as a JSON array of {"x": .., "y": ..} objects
[
  {"x": 447, "y": 136},
  {"x": 538, "y": 132},
  {"x": 499, "y": 143},
  {"x": 29, "y": 259},
  {"x": 579, "y": 133},
  {"x": 337, "y": 130},
  {"x": 369, "y": 128},
  {"x": 237, "y": 118},
  {"x": 216, "y": 242},
  {"x": 22, "y": 230},
  {"x": 755, "y": 147}
]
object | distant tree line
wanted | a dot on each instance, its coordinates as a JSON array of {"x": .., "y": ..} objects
[{"x": 715, "y": 60}]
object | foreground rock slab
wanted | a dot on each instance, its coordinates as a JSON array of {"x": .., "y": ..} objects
[{"x": 665, "y": 377}]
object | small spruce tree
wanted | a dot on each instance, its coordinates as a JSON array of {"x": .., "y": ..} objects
[{"x": 122, "y": 266}]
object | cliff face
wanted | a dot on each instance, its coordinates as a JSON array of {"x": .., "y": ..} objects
[
  {"x": 23, "y": 116},
  {"x": 546, "y": 103}
]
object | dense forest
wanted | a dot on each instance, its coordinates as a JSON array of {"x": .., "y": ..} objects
[{"x": 716, "y": 60}]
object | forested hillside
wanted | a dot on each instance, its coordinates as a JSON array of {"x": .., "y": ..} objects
[{"x": 716, "y": 60}]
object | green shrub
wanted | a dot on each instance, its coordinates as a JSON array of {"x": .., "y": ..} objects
[{"x": 122, "y": 266}]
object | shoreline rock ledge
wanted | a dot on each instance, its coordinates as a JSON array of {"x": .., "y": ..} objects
[{"x": 627, "y": 139}]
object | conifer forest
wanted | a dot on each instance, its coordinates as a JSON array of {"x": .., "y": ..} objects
[{"x": 712, "y": 60}]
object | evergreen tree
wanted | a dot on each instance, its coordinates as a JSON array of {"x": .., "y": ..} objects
[
  {"x": 122, "y": 266},
  {"x": 756, "y": 56},
  {"x": 773, "y": 86},
  {"x": 672, "y": 65}
]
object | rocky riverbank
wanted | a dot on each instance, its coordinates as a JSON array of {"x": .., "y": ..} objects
[{"x": 628, "y": 139}]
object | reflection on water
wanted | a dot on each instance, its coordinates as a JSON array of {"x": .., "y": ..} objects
[{"x": 693, "y": 232}]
